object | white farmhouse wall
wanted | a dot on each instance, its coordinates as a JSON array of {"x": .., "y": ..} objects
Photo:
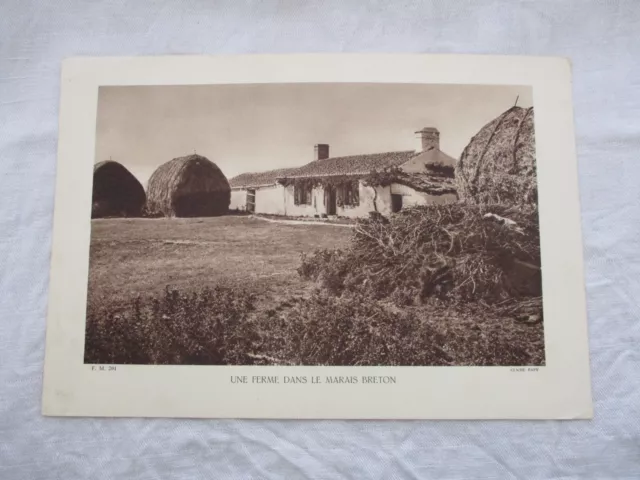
[
  {"x": 238, "y": 200},
  {"x": 415, "y": 165},
  {"x": 279, "y": 200},
  {"x": 418, "y": 164},
  {"x": 384, "y": 200},
  {"x": 367, "y": 197},
  {"x": 411, "y": 197},
  {"x": 271, "y": 200},
  {"x": 317, "y": 206}
]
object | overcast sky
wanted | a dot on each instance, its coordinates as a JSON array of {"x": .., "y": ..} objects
[{"x": 258, "y": 127}]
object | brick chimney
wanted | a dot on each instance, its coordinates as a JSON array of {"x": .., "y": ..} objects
[
  {"x": 321, "y": 151},
  {"x": 430, "y": 138}
]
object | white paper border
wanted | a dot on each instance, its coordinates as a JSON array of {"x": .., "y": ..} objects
[{"x": 560, "y": 390}]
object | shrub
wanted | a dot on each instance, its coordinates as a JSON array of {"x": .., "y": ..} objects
[
  {"x": 354, "y": 330},
  {"x": 210, "y": 327},
  {"x": 350, "y": 330},
  {"x": 327, "y": 267},
  {"x": 220, "y": 327}
]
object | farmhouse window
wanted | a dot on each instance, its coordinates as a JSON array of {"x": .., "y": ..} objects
[
  {"x": 350, "y": 194},
  {"x": 302, "y": 194}
]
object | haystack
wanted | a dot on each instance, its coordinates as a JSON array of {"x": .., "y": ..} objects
[
  {"x": 190, "y": 186},
  {"x": 498, "y": 166},
  {"x": 116, "y": 192}
]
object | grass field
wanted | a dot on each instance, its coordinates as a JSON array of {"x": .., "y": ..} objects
[
  {"x": 268, "y": 314},
  {"x": 131, "y": 257}
]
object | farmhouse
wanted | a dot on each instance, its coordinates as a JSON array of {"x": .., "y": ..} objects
[
  {"x": 259, "y": 192},
  {"x": 352, "y": 186},
  {"x": 116, "y": 192},
  {"x": 191, "y": 186}
]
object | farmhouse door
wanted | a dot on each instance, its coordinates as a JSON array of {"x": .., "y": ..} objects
[
  {"x": 396, "y": 202},
  {"x": 251, "y": 201},
  {"x": 330, "y": 200}
]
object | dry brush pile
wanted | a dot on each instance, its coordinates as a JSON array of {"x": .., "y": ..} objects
[
  {"x": 454, "y": 284},
  {"x": 453, "y": 252}
]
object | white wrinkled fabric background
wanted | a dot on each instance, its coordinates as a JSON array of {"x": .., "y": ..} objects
[{"x": 601, "y": 37}]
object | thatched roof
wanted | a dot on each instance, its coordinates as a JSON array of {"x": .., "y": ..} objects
[
  {"x": 116, "y": 192},
  {"x": 190, "y": 186},
  {"x": 352, "y": 164},
  {"x": 499, "y": 163},
  {"x": 428, "y": 183},
  {"x": 258, "y": 179}
]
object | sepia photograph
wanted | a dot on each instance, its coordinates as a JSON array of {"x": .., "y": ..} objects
[{"x": 315, "y": 224}]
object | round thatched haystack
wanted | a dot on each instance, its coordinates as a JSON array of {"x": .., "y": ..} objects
[
  {"x": 190, "y": 186},
  {"x": 116, "y": 192},
  {"x": 499, "y": 163}
]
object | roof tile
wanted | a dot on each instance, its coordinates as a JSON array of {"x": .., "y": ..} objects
[
  {"x": 352, "y": 164},
  {"x": 255, "y": 179}
]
